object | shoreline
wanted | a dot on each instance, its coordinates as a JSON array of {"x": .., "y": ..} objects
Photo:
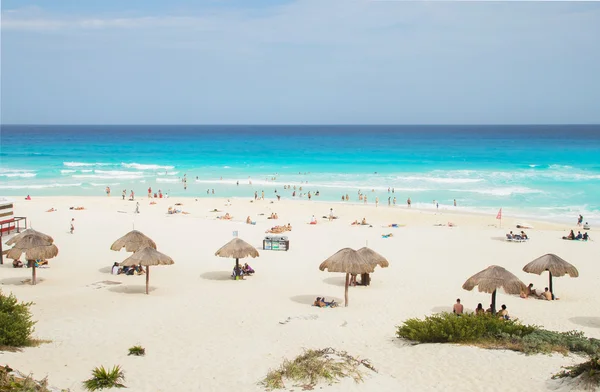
[{"x": 429, "y": 214}]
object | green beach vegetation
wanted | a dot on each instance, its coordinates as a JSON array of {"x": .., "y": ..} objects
[
  {"x": 16, "y": 324},
  {"x": 103, "y": 378},
  {"x": 314, "y": 366}
]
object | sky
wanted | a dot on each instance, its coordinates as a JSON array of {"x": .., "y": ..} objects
[{"x": 299, "y": 62}]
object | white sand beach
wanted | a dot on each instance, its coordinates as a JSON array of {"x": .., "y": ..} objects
[{"x": 206, "y": 332}]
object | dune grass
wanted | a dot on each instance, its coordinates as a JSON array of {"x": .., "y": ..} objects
[
  {"x": 586, "y": 374},
  {"x": 14, "y": 383},
  {"x": 103, "y": 378},
  {"x": 138, "y": 351},
  {"x": 314, "y": 366}
]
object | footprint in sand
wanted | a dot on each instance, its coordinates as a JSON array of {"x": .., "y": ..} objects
[{"x": 104, "y": 283}]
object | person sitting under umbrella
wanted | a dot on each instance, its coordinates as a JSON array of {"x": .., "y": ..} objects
[{"x": 246, "y": 269}]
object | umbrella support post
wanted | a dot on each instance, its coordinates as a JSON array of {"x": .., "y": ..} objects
[
  {"x": 494, "y": 302},
  {"x": 147, "y": 277},
  {"x": 237, "y": 267},
  {"x": 550, "y": 284},
  {"x": 33, "y": 276},
  {"x": 346, "y": 290}
]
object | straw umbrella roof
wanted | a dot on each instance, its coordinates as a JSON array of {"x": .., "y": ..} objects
[
  {"x": 373, "y": 257},
  {"x": 237, "y": 249},
  {"x": 147, "y": 256},
  {"x": 27, "y": 232},
  {"x": 551, "y": 262},
  {"x": 34, "y": 247},
  {"x": 133, "y": 241},
  {"x": 493, "y": 278},
  {"x": 349, "y": 261}
]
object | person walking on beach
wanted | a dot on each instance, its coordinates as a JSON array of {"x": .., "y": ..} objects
[
  {"x": 437, "y": 206},
  {"x": 263, "y": 194},
  {"x": 124, "y": 193},
  {"x": 137, "y": 207},
  {"x": 132, "y": 195},
  {"x": 107, "y": 191},
  {"x": 376, "y": 201},
  {"x": 389, "y": 201},
  {"x": 149, "y": 192},
  {"x": 394, "y": 200},
  {"x": 72, "y": 225},
  {"x": 408, "y": 202},
  {"x": 454, "y": 202},
  {"x": 365, "y": 199},
  {"x": 255, "y": 195},
  {"x": 580, "y": 220}
]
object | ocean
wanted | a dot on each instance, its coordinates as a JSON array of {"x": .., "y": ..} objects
[{"x": 548, "y": 172}]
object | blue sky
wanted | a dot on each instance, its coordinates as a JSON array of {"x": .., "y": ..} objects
[{"x": 299, "y": 62}]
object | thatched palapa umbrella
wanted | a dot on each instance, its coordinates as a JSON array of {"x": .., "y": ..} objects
[
  {"x": 373, "y": 258},
  {"x": 35, "y": 248},
  {"x": 147, "y": 257},
  {"x": 348, "y": 261},
  {"x": 27, "y": 232},
  {"x": 555, "y": 266},
  {"x": 133, "y": 241},
  {"x": 237, "y": 249},
  {"x": 491, "y": 279}
]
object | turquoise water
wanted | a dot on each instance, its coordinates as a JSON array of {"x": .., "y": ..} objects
[{"x": 546, "y": 172}]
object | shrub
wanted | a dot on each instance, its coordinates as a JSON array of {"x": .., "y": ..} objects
[
  {"x": 316, "y": 365},
  {"x": 588, "y": 373},
  {"x": 103, "y": 378},
  {"x": 16, "y": 382},
  {"x": 138, "y": 351},
  {"x": 448, "y": 328},
  {"x": 16, "y": 325}
]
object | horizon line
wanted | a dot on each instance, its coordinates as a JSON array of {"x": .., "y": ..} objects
[{"x": 304, "y": 125}]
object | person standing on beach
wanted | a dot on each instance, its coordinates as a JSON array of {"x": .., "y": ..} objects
[
  {"x": 137, "y": 207},
  {"x": 255, "y": 195},
  {"x": 376, "y": 201},
  {"x": 263, "y": 194},
  {"x": 72, "y": 225},
  {"x": 107, "y": 191},
  {"x": 437, "y": 206},
  {"x": 408, "y": 202},
  {"x": 124, "y": 193},
  {"x": 394, "y": 200},
  {"x": 454, "y": 202},
  {"x": 365, "y": 199},
  {"x": 389, "y": 201},
  {"x": 580, "y": 220},
  {"x": 149, "y": 192}
]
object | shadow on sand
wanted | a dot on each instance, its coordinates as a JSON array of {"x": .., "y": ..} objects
[
  {"x": 105, "y": 270},
  {"x": 20, "y": 281},
  {"x": 591, "y": 322},
  {"x": 217, "y": 275},
  {"x": 131, "y": 289}
]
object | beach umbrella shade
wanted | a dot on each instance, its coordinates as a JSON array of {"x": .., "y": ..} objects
[
  {"x": 34, "y": 248},
  {"x": 491, "y": 279},
  {"x": 237, "y": 249},
  {"x": 27, "y": 232},
  {"x": 555, "y": 266},
  {"x": 373, "y": 258},
  {"x": 147, "y": 257},
  {"x": 348, "y": 261},
  {"x": 133, "y": 241}
]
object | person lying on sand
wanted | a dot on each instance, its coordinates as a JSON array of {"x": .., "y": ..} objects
[
  {"x": 51, "y": 209},
  {"x": 225, "y": 217},
  {"x": 319, "y": 302},
  {"x": 387, "y": 235},
  {"x": 279, "y": 229},
  {"x": 249, "y": 221},
  {"x": 77, "y": 208},
  {"x": 393, "y": 225},
  {"x": 152, "y": 202}
]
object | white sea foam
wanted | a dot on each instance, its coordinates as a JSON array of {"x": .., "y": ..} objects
[
  {"x": 441, "y": 180},
  {"x": 172, "y": 173},
  {"x": 104, "y": 184},
  {"x": 123, "y": 176},
  {"x": 168, "y": 180},
  {"x": 68, "y": 171},
  {"x": 83, "y": 164},
  {"x": 500, "y": 191},
  {"x": 39, "y": 186},
  {"x": 140, "y": 166},
  {"x": 20, "y": 174}
]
